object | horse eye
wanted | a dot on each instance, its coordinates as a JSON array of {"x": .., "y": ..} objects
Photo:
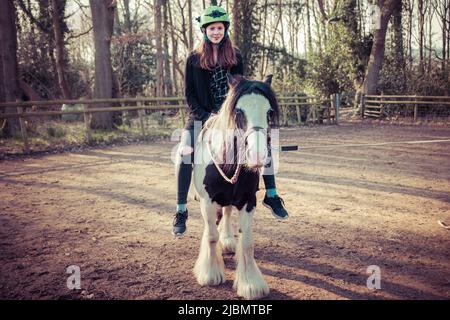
[{"x": 270, "y": 112}]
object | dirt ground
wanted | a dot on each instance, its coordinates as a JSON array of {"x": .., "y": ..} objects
[{"x": 109, "y": 211}]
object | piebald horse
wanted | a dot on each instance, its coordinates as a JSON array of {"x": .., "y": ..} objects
[{"x": 230, "y": 152}]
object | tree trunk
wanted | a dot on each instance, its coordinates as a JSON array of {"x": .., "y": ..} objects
[
  {"x": 48, "y": 51},
  {"x": 445, "y": 43},
  {"x": 274, "y": 29},
  {"x": 410, "y": 27},
  {"x": 263, "y": 42},
  {"x": 291, "y": 29},
  {"x": 127, "y": 15},
  {"x": 167, "y": 78},
  {"x": 448, "y": 29},
  {"x": 362, "y": 26},
  {"x": 183, "y": 31},
  {"x": 159, "y": 56},
  {"x": 322, "y": 10},
  {"x": 103, "y": 22},
  {"x": 318, "y": 31},
  {"x": 245, "y": 32},
  {"x": 45, "y": 23},
  {"x": 236, "y": 22},
  {"x": 444, "y": 40},
  {"x": 421, "y": 25},
  {"x": 377, "y": 53},
  {"x": 57, "y": 17},
  {"x": 281, "y": 13},
  {"x": 9, "y": 84},
  {"x": 174, "y": 51},
  {"x": 430, "y": 37},
  {"x": 28, "y": 91},
  {"x": 448, "y": 37},
  {"x": 190, "y": 28},
  {"x": 398, "y": 44},
  {"x": 308, "y": 26}
]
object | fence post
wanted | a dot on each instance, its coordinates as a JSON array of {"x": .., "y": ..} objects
[
  {"x": 87, "y": 126},
  {"x": 314, "y": 114},
  {"x": 332, "y": 105},
  {"x": 381, "y": 104},
  {"x": 299, "y": 117},
  {"x": 337, "y": 106},
  {"x": 363, "y": 104},
  {"x": 23, "y": 130},
  {"x": 141, "y": 120},
  {"x": 182, "y": 114},
  {"x": 416, "y": 109},
  {"x": 284, "y": 115}
]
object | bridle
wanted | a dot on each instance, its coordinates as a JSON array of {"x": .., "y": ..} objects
[{"x": 235, "y": 176}]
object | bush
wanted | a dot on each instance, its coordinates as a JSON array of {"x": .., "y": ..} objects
[
  {"x": 73, "y": 116},
  {"x": 56, "y": 132},
  {"x": 159, "y": 117}
]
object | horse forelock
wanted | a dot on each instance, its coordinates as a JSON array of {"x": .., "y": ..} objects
[
  {"x": 243, "y": 88},
  {"x": 246, "y": 87}
]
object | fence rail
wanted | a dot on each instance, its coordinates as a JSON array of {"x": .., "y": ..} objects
[
  {"x": 318, "y": 110},
  {"x": 378, "y": 105}
]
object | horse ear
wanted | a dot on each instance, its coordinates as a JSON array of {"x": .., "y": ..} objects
[
  {"x": 232, "y": 80},
  {"x": 268, "y": 79}
]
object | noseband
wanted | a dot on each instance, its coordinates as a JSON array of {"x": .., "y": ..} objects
[
  {"x": 254, "y": 129},
  {"x": 235, "y": 176}
]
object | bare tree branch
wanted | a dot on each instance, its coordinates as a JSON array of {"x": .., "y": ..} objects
[
  {"x": 435, "y": 52},
  {"x": 322, "y": 10},
  {"x": 82, "y": 7},
  {"x": 71, "y": 14},
  {"x": 29, "y": 14},
  {"x": 80, "y": 34},
  {"x": 442, "y": 13}
]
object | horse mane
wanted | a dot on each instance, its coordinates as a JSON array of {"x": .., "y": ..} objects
[{"x": 228, "y": 121}]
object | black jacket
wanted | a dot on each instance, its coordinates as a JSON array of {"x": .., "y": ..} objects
[{"x": 197, "y": 87}]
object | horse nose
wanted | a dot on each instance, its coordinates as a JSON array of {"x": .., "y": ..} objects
[{"x": 256, "y": 158}]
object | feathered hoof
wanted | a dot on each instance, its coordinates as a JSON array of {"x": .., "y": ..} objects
[
  {"x": 212, "y": 279},
  {"x": 252, "y": 291},
  {"x": 212, "y": 276},
  {"x": 228, "y": 244}
]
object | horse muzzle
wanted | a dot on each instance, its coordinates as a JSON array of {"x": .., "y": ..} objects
[{"x": 256, "y": 158}]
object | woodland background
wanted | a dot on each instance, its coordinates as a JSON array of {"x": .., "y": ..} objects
[{"x": 79, "y": 49}]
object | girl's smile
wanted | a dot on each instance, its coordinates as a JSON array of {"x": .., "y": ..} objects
[{"x": 215, "y": 32}]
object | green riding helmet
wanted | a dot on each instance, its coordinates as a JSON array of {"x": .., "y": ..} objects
[{"x": 214, "y": 14}]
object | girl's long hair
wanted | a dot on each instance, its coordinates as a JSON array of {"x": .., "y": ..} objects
[{"x": 226, "y": 56}]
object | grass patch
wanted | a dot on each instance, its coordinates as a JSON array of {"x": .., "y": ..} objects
[{"x": 48, "y": 135}]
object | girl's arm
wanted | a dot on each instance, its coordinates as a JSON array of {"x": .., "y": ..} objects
[{"x": 194, "y": 106}]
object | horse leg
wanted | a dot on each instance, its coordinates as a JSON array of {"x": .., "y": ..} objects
[
  {"x": 218, "y": 216},
  {"x": 226, "y": 231},
  {"x": 249, "y": 281},
  {"x": 209, "y": 268}
]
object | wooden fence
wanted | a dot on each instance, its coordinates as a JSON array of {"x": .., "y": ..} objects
[
  {"x": 378, "y": 105},
  {"x": 318, "y": 110}
]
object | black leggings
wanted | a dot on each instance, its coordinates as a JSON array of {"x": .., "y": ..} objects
[{"x": 184, "y": 169}]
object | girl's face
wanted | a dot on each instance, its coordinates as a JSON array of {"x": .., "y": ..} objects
[{"x": 215, "y": 32}]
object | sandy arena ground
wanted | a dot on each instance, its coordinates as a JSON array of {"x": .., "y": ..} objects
[{"x": 109, "y": 211}]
